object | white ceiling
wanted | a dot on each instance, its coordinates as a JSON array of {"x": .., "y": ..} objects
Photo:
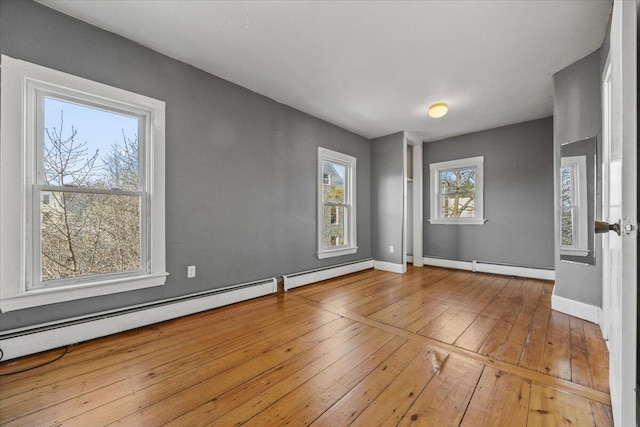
[{"x": 373, "y": 67}]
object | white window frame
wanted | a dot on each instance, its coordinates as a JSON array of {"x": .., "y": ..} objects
[
  {"x": 580, "y": 231},
  {"x": 434, "y": 190},
  {"x": 22, "y": 85},
  {"x": 325, "y": 154}
]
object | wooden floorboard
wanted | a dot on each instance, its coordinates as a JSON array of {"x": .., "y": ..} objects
[
  {"x": 499, "y": 399},
  {"x": 431, "y": 347}
]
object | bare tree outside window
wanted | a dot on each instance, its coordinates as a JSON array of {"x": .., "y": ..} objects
[
  {"x": 458, "y": 191},
  {"x": 89, "y": 231}
]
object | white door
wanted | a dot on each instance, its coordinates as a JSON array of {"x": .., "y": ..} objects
[{"x": 620, "y": 204}]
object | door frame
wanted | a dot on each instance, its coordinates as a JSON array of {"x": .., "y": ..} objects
[{"x": 418, "y": 207}]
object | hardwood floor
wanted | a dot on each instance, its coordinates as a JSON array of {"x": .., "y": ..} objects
[{"x": 431, "y": 347}]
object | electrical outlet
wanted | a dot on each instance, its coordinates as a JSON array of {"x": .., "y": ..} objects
[
  {"x": 391, "y": 249},
  {"x": 191, "y": 271}
]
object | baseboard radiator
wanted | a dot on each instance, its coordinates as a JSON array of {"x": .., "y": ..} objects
[
  {"x": 34, "y": 339},
  {"x": 493, "y": 268},
  {"x": 303, "y": 278}
]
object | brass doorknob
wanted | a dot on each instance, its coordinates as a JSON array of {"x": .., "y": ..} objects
[{"x": 604, "y": 227}]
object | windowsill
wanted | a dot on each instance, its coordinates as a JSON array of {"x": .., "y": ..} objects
[
  {"x": 461, "y": 221},
  {"x": 337, "y": 252},
  {"x": 45, "y": 296},
  {"x": 574, "y": 252}
]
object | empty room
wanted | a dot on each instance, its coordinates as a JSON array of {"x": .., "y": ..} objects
[{"x": 326, "y": 213}]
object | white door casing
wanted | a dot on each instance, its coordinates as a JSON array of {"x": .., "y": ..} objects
[{"x": 417, "y": 199}]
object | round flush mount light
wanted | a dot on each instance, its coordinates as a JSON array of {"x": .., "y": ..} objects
[{"x": 438, "y": 110}]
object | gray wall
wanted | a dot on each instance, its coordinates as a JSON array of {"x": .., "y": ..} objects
[
  {"x": 387, "y": 185},
  {"x": 577, "y": 115},
  {"x": 518, "y": 197},
  {"x": 240, "y": 168}
]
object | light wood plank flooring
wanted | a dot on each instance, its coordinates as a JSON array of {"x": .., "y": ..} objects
[{"x": 431, "y": 347}]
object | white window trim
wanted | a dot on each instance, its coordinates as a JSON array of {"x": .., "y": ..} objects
[
  {"x": 434, "y": 172},
  {"x": 580, "y": 245},
  {"x": 17, "y": 179},
  {"x": 325, "y": 154}
]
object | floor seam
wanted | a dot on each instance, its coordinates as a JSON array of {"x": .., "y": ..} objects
[{"x": 538, "y": 377}]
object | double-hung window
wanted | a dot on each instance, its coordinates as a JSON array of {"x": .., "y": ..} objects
[
  {"x": 336, "y": 204},
  {"x": 82, "y": 197},
  {"x": 573, "y": 197},
  {"x": 456, "y": 191}
]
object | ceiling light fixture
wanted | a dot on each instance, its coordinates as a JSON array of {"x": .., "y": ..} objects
[{"x": 438, "y": 110}]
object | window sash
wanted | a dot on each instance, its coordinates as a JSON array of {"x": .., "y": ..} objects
[
  {"x": 441, "y": 172},
  {"x": 341, "y": 220},
  {"x": 37, "y": 240},
  {"x": 347, "y": 218},
  {"x": 444, "y": 207},
  {"x": 42, "y": 91},
  {"x": 438, "y": 194},
  {"x": 345, "y": 183}
]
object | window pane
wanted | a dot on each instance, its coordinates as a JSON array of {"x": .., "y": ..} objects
[
  {"x": 334, "y": 217},
  {"x": 87, "y": 234},
  {"x": 334, "y": 226},
  {"x": 458, "y": 181},
  {"x": 567, "y": 204},
  {"x": 567, "y": 226},
  {"x": 88, "y": 147},
  {"x": 566, "y": 183},
  {"x": 459, "y": 205},
  {"x": 335, "y": 190}
]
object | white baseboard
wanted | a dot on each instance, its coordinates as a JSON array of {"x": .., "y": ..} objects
[
  {"x": 509, "y": 270},
  {"x": 390, "y": 266},
  {"x": 506, "y": 270},
  {"x": 34, "y": 339},
  {"x": 578, "y": 309},
  {"x": 447, "y": 263},
  {"x": 307, "y": 277}
]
